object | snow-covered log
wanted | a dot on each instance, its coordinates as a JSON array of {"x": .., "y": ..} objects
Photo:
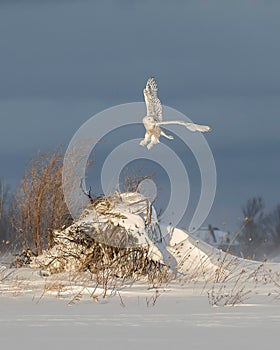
[{"x": 116, "y": 232}]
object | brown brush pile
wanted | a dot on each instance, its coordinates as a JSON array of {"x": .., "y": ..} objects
[{"x": 83, "y": 246}]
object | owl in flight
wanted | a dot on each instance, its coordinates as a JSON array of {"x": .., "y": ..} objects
[{"x": 153, "y": 120}]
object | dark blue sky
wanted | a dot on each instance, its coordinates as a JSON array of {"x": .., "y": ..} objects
[{"x": 215, "y": 61}]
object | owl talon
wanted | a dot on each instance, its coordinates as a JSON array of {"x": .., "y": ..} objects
[{"x": 142, "y": 143}]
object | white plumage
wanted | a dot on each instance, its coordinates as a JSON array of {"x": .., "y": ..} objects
[{"x": 153, "y": 119}]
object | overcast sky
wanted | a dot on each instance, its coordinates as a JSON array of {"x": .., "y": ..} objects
[{"x": 215, "y": 61}]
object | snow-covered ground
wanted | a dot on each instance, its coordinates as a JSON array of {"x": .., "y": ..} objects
[
  {"x": 180, "y": 318},
  {"x": 60, "y": 311}
]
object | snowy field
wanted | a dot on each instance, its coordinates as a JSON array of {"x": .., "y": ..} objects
[
  {"x": 181, "y": 318},
  {"x": 61, "y": 312}
]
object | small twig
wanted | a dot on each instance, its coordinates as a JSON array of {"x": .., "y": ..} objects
[{"x": 87, "y": 193}]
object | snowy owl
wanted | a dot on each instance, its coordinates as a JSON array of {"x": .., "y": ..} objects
[{"x": 153, "y": 119}]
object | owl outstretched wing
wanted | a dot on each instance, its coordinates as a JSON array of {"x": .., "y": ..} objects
[
  {"x": 154, "y": 108},
  {"x": 190, "y": 126}
]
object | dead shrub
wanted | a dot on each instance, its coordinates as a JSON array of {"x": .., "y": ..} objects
[{"x": 39, "y": 205}]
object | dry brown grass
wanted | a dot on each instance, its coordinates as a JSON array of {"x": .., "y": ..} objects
[
  {"x": 236, "y": 281},
  {"x": 39, "y": 203},
  {"x": 132, "y": 181}
]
